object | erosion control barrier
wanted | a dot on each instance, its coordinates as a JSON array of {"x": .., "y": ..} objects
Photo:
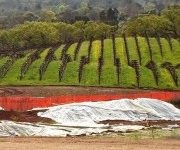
[{"x": 28, "y": 103}]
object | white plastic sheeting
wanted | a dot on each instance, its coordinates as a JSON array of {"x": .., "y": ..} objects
[
  {"x": 88, "y": 114},
  {"x": 83, "y": 118},
  {"x": 8, "y": 128}
]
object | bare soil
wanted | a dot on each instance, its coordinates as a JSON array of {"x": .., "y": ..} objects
[
  {"x": 28, "y": 116},
  {"x": 88, "y": 143},
  {"x": 146, "y": 123},
  {"x": 46, "y": 91}
]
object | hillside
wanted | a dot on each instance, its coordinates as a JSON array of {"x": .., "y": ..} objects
[
  {"x": 14, "y": 12},
  {"x": 7, "y": 6},
  {"x": 98, "y": 3},
  {"x": 105, "y": 63}
]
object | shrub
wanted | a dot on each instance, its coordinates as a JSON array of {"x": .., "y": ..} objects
[
  {"x": 118, "y": 69},
  {"x": 172, "y": 71},
  {"x": 149, "y": 45},
  {"x": 90, "y": 49},
  {"x": 64, "y": 50},
  {"x": 100, "y": 66},
  {"x": 66, "y": 59},
  {"x": 6, "y": 67},
  {"x": 33, "y": 57},
  {"x": 76, "y": 52},
  {"x": 84, "y": 60},
  {"x": 126, "y": 49},
  {"x": 138, "y": 49},
  {"x": 153, "y": 67},
  {"x": 50, "y": 56},
  {"x": 114, "y": 47},
  {"x": 134, "y": 64},
  {"x": 168, "y": 38},
  {"x": 159, "y": 43}
]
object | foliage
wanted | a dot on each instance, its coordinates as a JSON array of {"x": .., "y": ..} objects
[
  {"x": 28, "y": 35},
  {"x": 168, "y": 23},
  {"x": 152, "y": 24},
  {"x": 41, "y": 34},
  {"x": 48, "y": 16},
  {"x": 172, "y": 14}
]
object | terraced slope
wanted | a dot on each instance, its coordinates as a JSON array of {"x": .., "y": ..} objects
[{"x": 163, "y": 71}]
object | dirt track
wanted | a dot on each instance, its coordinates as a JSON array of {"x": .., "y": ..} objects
[
  {"x": 45, "y": 91},
  {"x": 87, "y": 143}
]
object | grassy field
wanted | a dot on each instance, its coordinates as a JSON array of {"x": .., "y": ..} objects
[{"x": 90, "y": 71}]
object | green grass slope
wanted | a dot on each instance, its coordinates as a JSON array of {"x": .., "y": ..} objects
[{"x": 90, "y": 72}]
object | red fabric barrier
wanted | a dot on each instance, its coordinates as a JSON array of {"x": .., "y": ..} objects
[{"x": 27, "y": 103}]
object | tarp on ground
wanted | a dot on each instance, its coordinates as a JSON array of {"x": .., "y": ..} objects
[{"x": 86, "y": 118}]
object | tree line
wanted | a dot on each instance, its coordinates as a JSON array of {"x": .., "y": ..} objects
[
  {"x": 43, "y": 34},
  {"x": 39, "y": 34},
  {"x": 13, "y": 12},
  {"x": 165, "y": 24}
]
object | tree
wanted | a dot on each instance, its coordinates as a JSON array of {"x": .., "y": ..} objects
[
  {"x": 111, "y": 16},
  {"x": 80, "y": 32},
  {"x": 66, "y": 32},
  {"x": 172, "y": 14},
  {"x": 29, "y": 35},
  {"x": 48, "y": 16},
  {"x": 30, "y": 16},
  {"x": 96, "y": 30},
  {"x": 152, "y": 24},
  {"x": 103, "y": 16}
]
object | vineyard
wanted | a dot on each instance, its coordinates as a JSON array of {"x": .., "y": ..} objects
[{"x": 131, "y": 62}]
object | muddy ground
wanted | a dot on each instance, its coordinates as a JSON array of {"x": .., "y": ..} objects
[{"x": 88, "y": 143}]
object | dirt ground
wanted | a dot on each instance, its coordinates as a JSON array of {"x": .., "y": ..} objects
[
  {"x": 88, "y": 143},
  {"x": 45, "y": 91}
]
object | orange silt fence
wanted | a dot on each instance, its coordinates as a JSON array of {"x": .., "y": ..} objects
[{"x": 27, "y": 103}]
